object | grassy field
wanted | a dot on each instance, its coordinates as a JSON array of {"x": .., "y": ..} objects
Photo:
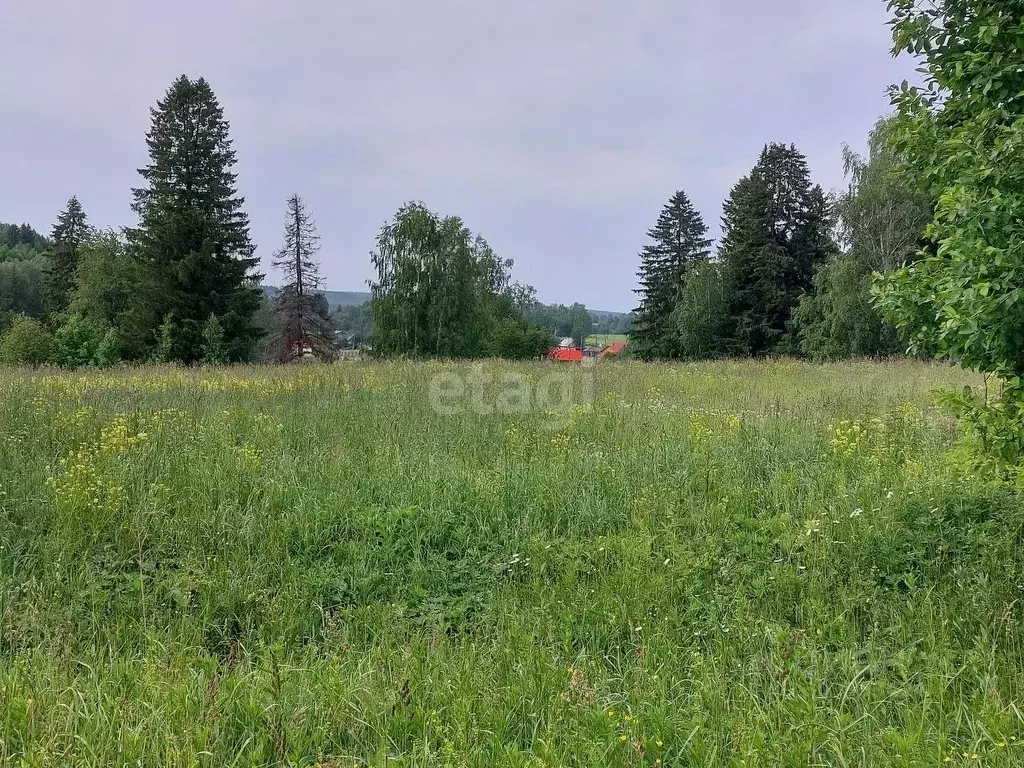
[
  {"x": 603, "y": 340},
  {"x": 741, "y": 564}
]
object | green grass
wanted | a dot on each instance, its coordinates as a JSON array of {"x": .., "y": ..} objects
[
  {"x": 603, "y": 340},
  {"x": 743, "y": 564}
]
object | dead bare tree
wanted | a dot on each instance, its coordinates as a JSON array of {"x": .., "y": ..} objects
[{"x": 307, "y": 327}]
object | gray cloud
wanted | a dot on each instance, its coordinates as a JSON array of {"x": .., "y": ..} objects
[{"x": 556, "y": 129}]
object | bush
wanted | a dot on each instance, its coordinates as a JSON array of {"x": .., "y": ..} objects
[
  {"x": 25, "y": 343},
  {"x": 109, "y": 351},
  {"x": 77, "y": 343},
  {"x": 215, "y": 350},
  {"x": 177, "y": 339},
  {"x": 518, "y": 340},
  {"x": 961, "y": 298}
]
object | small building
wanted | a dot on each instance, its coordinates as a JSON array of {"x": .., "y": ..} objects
[
  {"x": 562, "y": 354},
  {"x": 615, "y": 348},
  {"x": 592, "y": 352}
]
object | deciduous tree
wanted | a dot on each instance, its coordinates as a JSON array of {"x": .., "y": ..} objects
[
  {"x": 963, "y": 139},
  {"x": 881, "y": 217},
  {"x": 442, "y": 292}
]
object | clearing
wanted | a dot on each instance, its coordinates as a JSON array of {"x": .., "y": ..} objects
[{"x": 747, "y": 563}]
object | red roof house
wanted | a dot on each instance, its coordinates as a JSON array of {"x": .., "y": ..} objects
[
  {"x": 565, "y": 355},
  {"x": 615, "y": 348}
]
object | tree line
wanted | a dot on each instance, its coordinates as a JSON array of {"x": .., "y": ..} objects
[
  {"x": 793, "y": 271},
  {"x": 922, "y": 252},
  {"x": 182, "y": 285},
  {"x": 791, "y": 274}
]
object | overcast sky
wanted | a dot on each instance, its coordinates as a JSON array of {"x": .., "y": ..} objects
[{"x": 555, "y": 128}]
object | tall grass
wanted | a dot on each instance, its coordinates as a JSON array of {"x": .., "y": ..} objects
[{"x": 760, "y": 563}]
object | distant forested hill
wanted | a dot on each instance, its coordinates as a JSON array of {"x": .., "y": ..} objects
[
  {"x": 335, "y": 299},
  {"x": 24, "y": 263}
]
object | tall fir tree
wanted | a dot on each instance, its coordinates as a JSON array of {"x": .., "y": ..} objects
[
  {"x": 776, "y": 231},
  {"x": 193, "y": 236},
  {"x": 305, "y": 318},
  {"x": 679, "y": 243},
  {"x": 69, "y": 234}
]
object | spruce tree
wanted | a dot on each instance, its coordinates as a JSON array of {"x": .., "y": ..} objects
[
  {"x": 776, "y": 231},
  {"x": 755, "y": 266},
  {"x": 193, "y": 236},
  {"x": 69, "y": 233},
  {"x": 679, "y": 243},
  {"x": 305, "y": 317}
]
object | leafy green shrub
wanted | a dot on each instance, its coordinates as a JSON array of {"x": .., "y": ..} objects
[
  {"x": 109, "y": 350},
  {"x": 175, "y": 338},
  {"x": 77, "y": 342},
  {"x": 993, "y": 428},
  {"x": 26, "y": 342},
  {"x": 961, "y": 133},
  {"x": 518, "y": 340},
  {"x": 215, "y": 350}
]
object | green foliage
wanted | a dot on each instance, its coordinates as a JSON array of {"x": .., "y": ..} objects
[
  {"x": 776, "y": 231},
  {"x": 77, "y": 343},
  {"x": 700, "y": 321},
  {"x": 613, "y": 324},
  {"x": 241, "y": 331},
  {"x": 24, "y": 262},
  {"x": 193, "y": 236},
  {"x": 882, "y": 215},
  {"x": 961, "y": 134},
  {"x": 837, "y": 318},
  {"x": 69, "y": 234},
  {"x": 440, "y": 291},
  {"x": 355, "y": 322},
  {"x": 574, "y": 321},
  {"x": 679, "y": 243},
  {"x": 215, "y": 351},
  {"x": 882, "y": 218},
  {"x": 232, "y": 564},
  {"x": 270, "y": 325},
  {"x": 17, "y": 240},
  {"x": 26, "y": 342},
  {"x": 22, "y": 288},
  {"x": 581, "y": 323},
  {"x": 106, "y": 283},
  {"x": 515, "y": 339},
  {"x": 108, "y": 352},
  {"x": 20, "y": 236},
  {"x": 993, "y": 428},
  {"x": 173, "y": 340}
]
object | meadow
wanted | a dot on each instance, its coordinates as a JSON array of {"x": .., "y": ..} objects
[
  {"x": 604, "y": 339},
  {"x": 738, "y": 564}
]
